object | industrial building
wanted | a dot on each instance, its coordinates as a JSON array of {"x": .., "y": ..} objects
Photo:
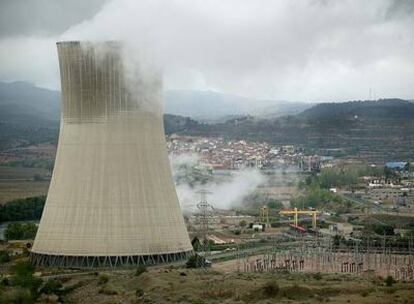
[{"x": 111, "y": 201}]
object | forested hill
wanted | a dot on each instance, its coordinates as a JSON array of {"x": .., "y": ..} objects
[
  {"x": 381, "y": 109},
  {"x": 376, "y": 130}
]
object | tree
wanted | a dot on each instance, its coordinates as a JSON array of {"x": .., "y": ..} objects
[
  {"x": 30, "y": 208},
  {"x": 274, "y": 204},
  {"x": 389, "y": 173},
  {"x": 196, "y": 261},
  {"x": 383, "y": 229},
  {"x": 196, "y": 243},
  {"x": 20, "y": 231},
  {"x": 407, "y": 166}
]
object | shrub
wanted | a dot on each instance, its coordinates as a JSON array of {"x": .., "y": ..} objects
[
  {"x": 139, "y": 292},
  {"x": 103, "y": 279},
  {"x": 23, "y": 277},
  {"x": 196, "y": 261},
  {"x": 23, "y": 268},
  {"x": 296, "y": 292},
  {"x": 140, "y": 270},
  {"x": 271, "y": 289},
  {"x": 52, "y": 286},
  {"x": 196, "y": 244},
  {"x": 108, "y": 290},
  {"x": 17, "y": 295},
  {"x": 4, "y": 282},
  {"x": 389, "y": 281},
  {"x": 317, "y": 276},
  {"x": 4, "y": 257}
]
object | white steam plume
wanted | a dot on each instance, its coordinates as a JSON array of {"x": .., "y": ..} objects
[{"x": 224, "y": 194}]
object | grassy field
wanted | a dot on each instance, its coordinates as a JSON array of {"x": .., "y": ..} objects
[
  {"x": 180, "y": 285},
  {"x": 165, "y": 285},
  {"x": 20, "y": 183}
]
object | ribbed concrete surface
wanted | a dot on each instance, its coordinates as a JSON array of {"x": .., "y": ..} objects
[{"x": 111, "y": 192}]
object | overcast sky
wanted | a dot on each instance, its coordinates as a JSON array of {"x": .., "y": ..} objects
[{"x": 307, "y": 50}]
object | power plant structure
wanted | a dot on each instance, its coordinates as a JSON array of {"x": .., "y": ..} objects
[{"x": 111, "y": 201}]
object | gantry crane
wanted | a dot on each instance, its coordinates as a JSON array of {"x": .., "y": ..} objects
[
  {"x": 295, "y": 213},
  {"x": 264, "y": 215}
]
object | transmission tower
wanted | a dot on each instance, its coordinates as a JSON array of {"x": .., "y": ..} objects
[{"x": 205, "y": 213}]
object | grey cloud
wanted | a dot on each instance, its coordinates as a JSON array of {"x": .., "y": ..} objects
[
  {"x": 400, "y": 8},
  {"x": 43, "y": 17},
  {"x": 307, "y": 50}
]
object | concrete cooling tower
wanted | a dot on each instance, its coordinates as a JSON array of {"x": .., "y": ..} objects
[{"x": 111, "y": 201}]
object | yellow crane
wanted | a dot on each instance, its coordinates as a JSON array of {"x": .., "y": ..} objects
[
  {"x": 264, "y": 215},
  {"x": 295, "y": 213}
]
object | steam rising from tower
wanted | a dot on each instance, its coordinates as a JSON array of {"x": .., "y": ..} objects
[{"x": 111, "y": 200}]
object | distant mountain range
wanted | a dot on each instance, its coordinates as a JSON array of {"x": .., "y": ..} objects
[
  {"x": 28, "y": 114},
  {"x": 24, "y": 101},
  {"x": 213, "y": 107},
  {"x": 376, "y": 130}
]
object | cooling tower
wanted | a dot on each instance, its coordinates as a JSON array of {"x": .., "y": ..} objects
[{"x": 111, "y": 201}]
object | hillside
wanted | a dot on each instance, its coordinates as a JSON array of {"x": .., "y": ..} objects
[
  {"x": 24, "y": 103},
  {"x": 381, "y": 109},
  {"x": 28, "y": 114},
  {"x": 376, "y": 130}
]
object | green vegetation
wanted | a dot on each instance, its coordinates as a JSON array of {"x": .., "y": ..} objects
[
  {"x": 103, "y": 279},
  {"x": 31, "y": 163},
  {"x": 341, "y": 177},
  {"x": 30, "y": 208},
  {"x": 196, "y": 243},
  {"x": 139, "y": 292},
  {"x": 330, "y": 178},
  {"x": 383, "y": 229},
  {"x": 316, "y": 197},
  {"x": 23, "y": 277},
  {"x": 271, "y": 289},
  {"x": 140, "y": 270},
  {"x": 195, "y": 261},
  {"x": 4, "y": 257},
  {"x": 51, "y": 286},
  {"x": 108, "y": 290},
  {"x": 17, "y": 295},
  {"x": 389, "y": 281},
  {"x": 20, "y": 231},
  {"x": 316, "y": 193},
  {"x": 274, "y": 204}
]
